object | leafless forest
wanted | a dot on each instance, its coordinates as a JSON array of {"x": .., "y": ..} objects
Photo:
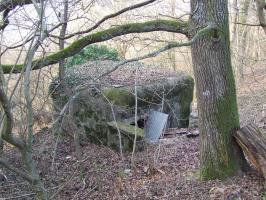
[{"x": 72, "y": 68}]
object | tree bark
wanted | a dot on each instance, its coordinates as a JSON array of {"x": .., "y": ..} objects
[
  {"x": 216, "y": 94},
  {"x": 253, "y": 143}
]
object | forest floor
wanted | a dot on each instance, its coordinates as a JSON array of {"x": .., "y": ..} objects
[
  {"x": 174, "y": 176},
  {"x": 166, "y": 171}
]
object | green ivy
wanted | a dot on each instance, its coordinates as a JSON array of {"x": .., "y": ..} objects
[{"x": 92, "y": 52}]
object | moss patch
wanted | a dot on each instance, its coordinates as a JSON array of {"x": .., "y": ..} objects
[
  {"x": 120, "y": 97},
  {"x": 220, "y": 170},
  {"x": 127, "y": 128}
]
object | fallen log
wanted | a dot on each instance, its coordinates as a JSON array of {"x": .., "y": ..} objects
[{"x": 253, "y": 143}]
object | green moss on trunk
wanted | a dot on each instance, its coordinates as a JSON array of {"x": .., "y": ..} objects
[{"x": 225, "y": 163}]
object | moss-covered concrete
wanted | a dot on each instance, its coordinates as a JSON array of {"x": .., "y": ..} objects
[
  {"x": 127, "y": 132},
  {"x": 127, "y": 128},
  {"x": 120, "y": 97}
]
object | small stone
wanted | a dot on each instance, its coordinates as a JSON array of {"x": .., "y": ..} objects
[
  {"x": 68, "y": 157},
  {"x": 145, "y": 169},
  {"x": 127, "y": 171}
]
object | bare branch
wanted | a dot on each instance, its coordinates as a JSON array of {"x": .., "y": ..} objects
[
  {"x": 155, "y": 25},
  {"x": 109, "y": 17},
  {"x": 247, "y": 24},
  {"x": 7, "y": 124},
  {"x": 29, "y": 39},
  {"x": 171, "y": 45}
]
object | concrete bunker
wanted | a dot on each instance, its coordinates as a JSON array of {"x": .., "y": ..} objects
[{"x": 101, "y": 106}]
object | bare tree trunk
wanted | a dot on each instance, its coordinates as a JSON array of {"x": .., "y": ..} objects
[
  {"x": 216, "y": 92},
  {"x": 62, "y": 42},
  {"x": 244, "y": 7},
  {"x": 27, "y": 151},
  {"x": 172, "y": 52},
  {"x": 235, "y": 19},
  {"x": 74, "y": 129},
  {"x": 37, "y": 184},
  {"x": 2, "y": 115}
]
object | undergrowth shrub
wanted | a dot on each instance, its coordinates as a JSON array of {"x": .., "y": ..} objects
[{"x": 92, "y": 52}]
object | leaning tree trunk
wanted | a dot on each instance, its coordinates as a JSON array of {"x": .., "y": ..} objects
[{"x": 216, "y": 94}]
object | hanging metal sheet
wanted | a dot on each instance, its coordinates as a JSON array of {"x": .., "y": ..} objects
[{"x": 155, "y": 126}]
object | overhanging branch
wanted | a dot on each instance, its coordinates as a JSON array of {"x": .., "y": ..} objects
[
  {"x": 129, "y": 8},
  {"x": 171, "y": 45},
  {"x": 155, "y": 25}
]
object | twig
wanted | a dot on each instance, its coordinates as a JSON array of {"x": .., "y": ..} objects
[
  {"x": 64, "y": 185},
  {"x": 117, "y": 127},
  {"x": 246, "y": 24},
  {"x": 83, "y": 187},
  {"x": 19, "y": 197},
  {"x": 136, "y": 118},
  {"x": 14, "y": 184},
  {"x": 90, "y": 191},
  {"x": 15, "y": 170}
]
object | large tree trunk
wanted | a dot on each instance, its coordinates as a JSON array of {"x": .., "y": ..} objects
[{"x": 216, "y": 94}]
